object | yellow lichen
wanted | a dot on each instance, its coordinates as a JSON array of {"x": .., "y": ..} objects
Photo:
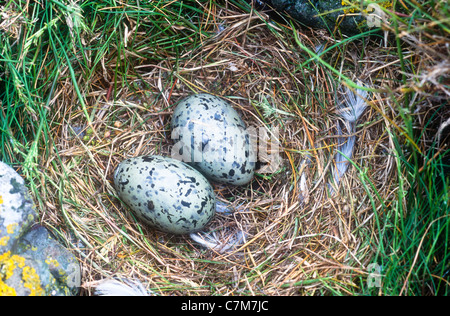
[
  {"x": 32, "y": 281},
  {"x": 346, "y": 10},
  {"x": 4, "y": 241},
  {"x": 6, "y": 290},
  {"x": 30, "y": 217},
  {"x": 1, "y": 200},
  {"x": 8, "y": 265},
  {"x": 11, "y": 227},
  {"x": 349, "y": 7},
  {"x": 52, "y": 262}
]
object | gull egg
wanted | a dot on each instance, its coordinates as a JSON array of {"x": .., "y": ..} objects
[
  {"x": 165, "y": 193},
  {"x": 213, "y": 138}
]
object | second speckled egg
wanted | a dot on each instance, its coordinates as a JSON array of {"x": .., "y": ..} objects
[{"x": 211, "y": 136}]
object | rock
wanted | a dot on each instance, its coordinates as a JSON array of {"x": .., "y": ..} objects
[
  {"x": 17, "y": 212},
  {"x": 328, "y": 14},
  {"x": 39, "y": 265},
  {"x": 31, "y": 261}
]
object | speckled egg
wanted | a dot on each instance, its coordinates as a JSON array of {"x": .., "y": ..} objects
[
  {"x": 165, "y": 193},
  {"x": 211, "y": 136}
]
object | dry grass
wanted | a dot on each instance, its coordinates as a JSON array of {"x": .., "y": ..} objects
[
  {"x": 289, "y": 242},
  {"x": 299, "y": 242}
]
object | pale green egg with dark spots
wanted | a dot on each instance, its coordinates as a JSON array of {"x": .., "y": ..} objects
[
  {"x": 211, "y": 136},
  {"x": 165, "y": 193}
]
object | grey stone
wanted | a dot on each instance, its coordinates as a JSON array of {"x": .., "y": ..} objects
[
  {"x": 17, "y": 211},
  {"x": 31, "y": 261},
  {"x": 326, "y": 14},
  {"x": 53, "y": 270}
]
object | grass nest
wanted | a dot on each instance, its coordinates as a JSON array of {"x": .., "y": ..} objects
[{"x": 101, "y": 83}]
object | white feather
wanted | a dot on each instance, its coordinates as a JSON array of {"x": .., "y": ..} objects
[
  {"x": 345, "y": 152},
  {"x": 124, "y": 287},
  {"x": 353, "y": 105},
  {"x": 227, "y": 209},
  {"x": 220, "y": 244},
  {"x": 350, "y": 110},
  {"x": 303, "y": 183}
]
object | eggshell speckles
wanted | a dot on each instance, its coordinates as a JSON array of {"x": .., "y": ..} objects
[
  {"x": 165, "y": 193},
  {"x": 213, "y": 138}
]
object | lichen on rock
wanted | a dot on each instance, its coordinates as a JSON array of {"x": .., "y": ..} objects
[
  {"x": 58, "y": 269},
  {"x": 31, "y": 261},
  {"x": 17, "y": 211}
]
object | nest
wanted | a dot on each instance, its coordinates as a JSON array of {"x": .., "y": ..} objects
[{"x": 301, "y": 237}]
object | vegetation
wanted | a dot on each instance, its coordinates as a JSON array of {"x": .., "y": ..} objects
[{"x": 85, "y": 84}]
